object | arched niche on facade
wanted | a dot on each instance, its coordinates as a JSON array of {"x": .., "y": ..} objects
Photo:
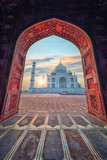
[
  {"x": 72, "y": 85},
  {"x": 69, "y": 32},
  {"x": 72, "y": 79},
  {"x": 53, "y": 79},
  {"x": 62, "y": 82},
  {"x": 53, "y": 85}
]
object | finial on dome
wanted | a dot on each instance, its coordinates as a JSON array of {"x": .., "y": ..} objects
[
  {"x": 60, "y": 61},
  {"x": 33, "y": 62}
]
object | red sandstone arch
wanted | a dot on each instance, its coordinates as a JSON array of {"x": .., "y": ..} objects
[{"x": 69, "y": 32}]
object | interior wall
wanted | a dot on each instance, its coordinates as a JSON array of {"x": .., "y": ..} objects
[{"x": 18, "y": 15}]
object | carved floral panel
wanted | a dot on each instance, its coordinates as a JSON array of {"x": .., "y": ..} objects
[
  {"x": 90, "y": 83},
  {"x": 87, "y": 60},
  {"x": 93, "y": 102},
  {"x": 13, "y": 101},
  {"x": 20, "y": 59},
  {"x": 88, "y": 71}
]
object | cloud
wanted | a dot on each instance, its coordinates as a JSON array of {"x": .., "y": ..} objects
[
  {"x": 45, "y": 65},
  {"x": 76, "y": 57},
  {"x": 76, "y": 66},
  {"x": 42, "y": 70},
  {"x": 71, "y": 59},
  {"x": 28, "y": 70},
  {"x": 40, "y": 60},
  {"x": 78, "y": 63},
  {"x": 39, "y": 70},
  {"x": 76, "y": 70}
]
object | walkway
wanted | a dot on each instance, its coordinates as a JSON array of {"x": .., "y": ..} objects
[{"x": 53, "y": 127}]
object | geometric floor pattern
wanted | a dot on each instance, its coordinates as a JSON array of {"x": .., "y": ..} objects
[{"x": 62, "y": 132}]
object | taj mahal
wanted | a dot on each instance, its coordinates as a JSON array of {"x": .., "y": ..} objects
[
  {"x": 59, "y": 81},
  {"x": 61, "y": 78}
]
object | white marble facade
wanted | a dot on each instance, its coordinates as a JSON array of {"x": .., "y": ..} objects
[
  {"x": 61, "y": 78},
  {"x": 59, "y": 81}
]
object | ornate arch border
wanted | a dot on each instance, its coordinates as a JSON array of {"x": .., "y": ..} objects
[{"x": 69, "y": 32}]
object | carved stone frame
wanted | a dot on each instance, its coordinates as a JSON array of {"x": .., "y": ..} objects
[{"x": 71, "y": 33}]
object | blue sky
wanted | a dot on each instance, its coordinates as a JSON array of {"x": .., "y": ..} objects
[
  {"x": 52, "y": 46},
  {"x": 47, "y": 54}
]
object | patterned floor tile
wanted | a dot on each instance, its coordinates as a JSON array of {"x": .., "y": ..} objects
[{"x": 53, "y": 127}]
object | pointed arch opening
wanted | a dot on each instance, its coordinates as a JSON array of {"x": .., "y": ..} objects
[{"x": 69, "y": 32}]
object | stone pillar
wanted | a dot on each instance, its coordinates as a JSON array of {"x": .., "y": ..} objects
[{"x": 32, "y": 80}]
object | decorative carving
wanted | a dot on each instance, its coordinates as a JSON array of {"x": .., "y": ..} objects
[
  {"x": 13, "y": 102},
  {"x": 15, "y": 85},
  {"x": 87, "y": 60},
  {"x": 90, "y": 83},
  {"x": 53, "y": 27},
  {"x": 88, "y": 71},
  {"x": 63, "y": 30},
  {"x": 18, "y": 70},
  {"x": 93, "y": 102},
  {"x": 20, "y": 59}
]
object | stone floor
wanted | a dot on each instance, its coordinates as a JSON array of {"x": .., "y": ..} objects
[{"x": 53, "y": 127}]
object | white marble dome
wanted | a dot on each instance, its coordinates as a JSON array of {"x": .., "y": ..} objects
[{"x": 60, "y": 68}]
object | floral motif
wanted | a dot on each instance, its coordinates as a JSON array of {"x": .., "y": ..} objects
[
  {"x": 13, "y": 102},
  {"x": 93, "y": 102}
]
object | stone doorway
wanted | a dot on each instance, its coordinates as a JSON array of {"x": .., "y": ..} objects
[{"x": 69, "y": 32}]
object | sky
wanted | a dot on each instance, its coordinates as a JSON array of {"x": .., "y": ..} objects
[{"x": 47, "y": 53}]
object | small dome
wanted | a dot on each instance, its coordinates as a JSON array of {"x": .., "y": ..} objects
[
  {"x": 60, "y": 68},
  {"x": 53, "y": 72}
]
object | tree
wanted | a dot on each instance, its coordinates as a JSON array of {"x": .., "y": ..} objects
[{"x": 79, "y": 85}]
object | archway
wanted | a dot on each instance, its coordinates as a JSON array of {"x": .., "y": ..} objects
[
  {"x": 69, "y": 32},
  {"x": 62, "y": 82}
]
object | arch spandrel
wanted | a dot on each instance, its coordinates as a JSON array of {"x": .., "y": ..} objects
[
  {"x": 69, "y": 32},
  {"x": 53, "y": 27}
]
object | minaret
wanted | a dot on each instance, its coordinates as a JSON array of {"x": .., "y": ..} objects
[
  {"x": 43, "y": 82},
  {"x": 32, "y": 80}
]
